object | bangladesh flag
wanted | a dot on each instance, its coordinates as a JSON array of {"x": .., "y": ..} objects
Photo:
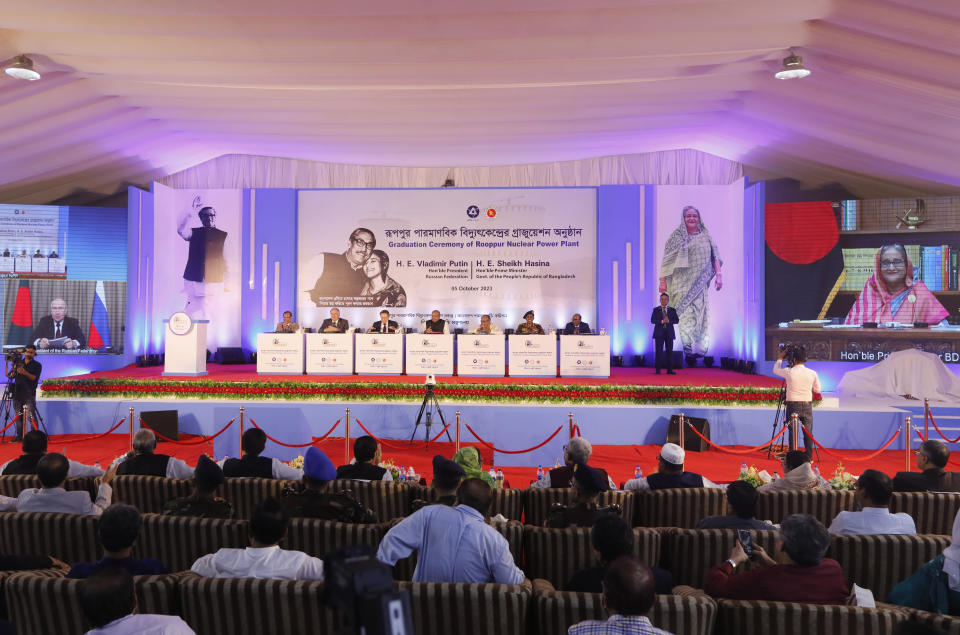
[{"x": 21, "y": 322}]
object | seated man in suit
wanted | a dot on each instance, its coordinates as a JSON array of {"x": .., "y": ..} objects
[
  {"x": 252, "y": 465},
  {"x": 34, "y": 447},
  {"x": 435, "y": 324},
  {"x": 384, "y": 324},
  {"x": 366, "y": 455},
  {"x": 578, "y": 450},
  {"x": 203, "y": 502},
  {"x": 118, "y": 529},
  {"x": 57, "y": 325},
  {"x": 310, "y": 497},
  {"x": 334, "y": 323},
  {"x": 52, "y": 471},
  {"x": 670, "y": 473},
  {"x": 576, "y": 326},
  {"x": 109, "y": 603},
  {"x": 932, "y": 457},
  {"x": 486, "y": 327},
  {"x": 288, "y": 325},
  {"x": 145, "y": 461}
]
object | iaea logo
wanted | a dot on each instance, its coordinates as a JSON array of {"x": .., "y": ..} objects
[{"x": 473, "y": 211}]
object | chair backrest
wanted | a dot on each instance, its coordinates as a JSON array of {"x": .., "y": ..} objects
[
  {"x": 149, "y": 493},
  {"x": 946, "y": 623},
  {"x": 557, "y": 611},
  {"x": 317, "y": 537},
  {"x": 880, "y": 562},
  {"x": 689, "y": 553},
  {"x": 537, "y": 502},
  {"x": 759, "y": 617},
  {"x": 44, "y": 604},
  {"x": 506, "y": 501},
  {"x": 824, "y": 505},
  {"x": 252, "y": 606},
  {"x": 388, "y": 500},
  {"x": 243, "y": 494},
  {"x": 68, "y": 537},
  {"x": 177, "y": 541},
  {"x": 12, "y": 484},
  {"x": 442, "y": 608},
  {"x": 933, "y": 512},
  {"x": 556, "y": 554},
  {"x": 677, "y": 507}
]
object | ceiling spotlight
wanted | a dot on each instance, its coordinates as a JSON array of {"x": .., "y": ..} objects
[
  {"x": 22, "y": 68},
  {"x": 793, "y": 68}
]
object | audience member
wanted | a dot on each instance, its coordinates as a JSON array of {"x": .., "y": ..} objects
[
  {"x": 454, "y": 543},
  {"x": 446, "y": 479},
  {"x": 798, "y": 474},
  {"x": 799, "y": 573},
  {"x": 34, "y": 447},
  {"x": 118, "y": 529},
  {"x": 670, "y": 473},
  {"x": 263, "y": 558},
  {"x": 873, "y": 493},
  {"x": 52, "y": 471},
  {"x": 469, "y": 459},
  {"x": 742, "y": 503},
  {"x": 628, "y": 594},
  {"x": 203, "y": 502},
  {"x": 578, "y": 450},
  {"x": 143, "y": 459},
  {"x": 936, "y": 585},
  {"x": 612, "y": 537},
  {"x": 932, "y": 457},
  {"x": 109, "y": 603},
  {"x": 366, "y": 455},
  {"x": 588, "y": 484},
  {"x": 310, "y": 497},
  {"x": 252, "y": 465}
]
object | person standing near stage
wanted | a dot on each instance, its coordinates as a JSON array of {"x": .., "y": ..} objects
[
  {"x": 802, "y": 383},
  {"x": 25, "y": 375},
  {"x": 663, "y": 319}
]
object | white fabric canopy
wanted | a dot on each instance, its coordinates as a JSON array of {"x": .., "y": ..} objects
[{"x": 907, "y": 372}]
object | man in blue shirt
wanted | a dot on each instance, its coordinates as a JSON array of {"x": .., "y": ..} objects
[{"x": 454, "y": 543}]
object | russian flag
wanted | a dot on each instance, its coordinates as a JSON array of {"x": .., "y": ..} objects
[{"x": 99, "y": 320}]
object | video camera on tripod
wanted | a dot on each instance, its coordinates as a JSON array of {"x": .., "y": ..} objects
[
  {"x": 14, "y": 356},
  {"x": 793, "y": 353}
]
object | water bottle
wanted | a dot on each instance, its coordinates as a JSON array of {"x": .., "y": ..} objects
[
  {"x": 776, "y": 475},
  {"x": 816, "y": 470},
  {"x": 499, "y": 478},
  {"x": 411, "y": 474},
  {"x": 402, "y": 474},
  {"x": 743, "y": 468},
  {"x": 539, "y": 472},
  {"x": 637, "y": 472},
  {"x": 493, "y": 476}
]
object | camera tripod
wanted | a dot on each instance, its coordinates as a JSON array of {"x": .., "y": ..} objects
[
  {"x": 779, "y": 424},
  {"x": 426, "y": 408}
]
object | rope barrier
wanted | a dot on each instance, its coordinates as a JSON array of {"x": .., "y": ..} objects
[
  {"x": 576, "y": 430},
  {"x": 97, "y": 436},
  {"x": 402, "y": 446},
  {"x": 747, "y": 451},
  {"x": 940, "y": 432},
  {"x": 292, "y": 445},
  {"x": 192, "y": 442},
  {"x": 10, "y": 424},
  {"x": 862, "y": 458},
  {"x": 495, "y": 449}
]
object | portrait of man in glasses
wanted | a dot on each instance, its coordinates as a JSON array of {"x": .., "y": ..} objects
[{"x": 342, "y": 275}]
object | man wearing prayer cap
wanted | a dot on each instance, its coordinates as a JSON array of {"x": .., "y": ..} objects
[
  {"x": 311, "y": 498},
  {"x": 446, "y": 479},
  {"x": 203, "y": 503},
  {"x": 588, "y": 484},
  {"x": 670, "y": 473}
]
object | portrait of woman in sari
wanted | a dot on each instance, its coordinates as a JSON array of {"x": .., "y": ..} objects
[
  {"x": 690, "y": 262},
  {"x": 892, "y": 295}
]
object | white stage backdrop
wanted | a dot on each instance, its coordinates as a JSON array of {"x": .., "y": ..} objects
[
  {"x": 711, "y": 318},
  {"x": 464, "y": 252},
  {"x": 197, "y": 269}
]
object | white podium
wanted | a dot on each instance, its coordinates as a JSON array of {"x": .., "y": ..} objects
[
  {"x": 185, "y": 346},
  {"x": 430, "y": 354},
  {"x": 280, "y": 353},
  {"x": 481, "y": 355},
  {"x": 379, "y": 354},
  {"x": 329, "y": 353},
  {"x": 584, "y": 355},
  {"x": 533, "y": 355}
]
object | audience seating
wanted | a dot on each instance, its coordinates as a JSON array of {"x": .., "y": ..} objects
[
  {"x": 68, "y": 537},
  {"x": 244, "y": 493},
  {"x": 682, "y": 507},
  {"x": 689, "y": 553},
  {"x": 823, "y": 505},
  {"x": 537, "y": 503},
  {"x": 11, "y": 485},
  {"x": 387, "y": 499},
  {"x": 149, "y": 493},
  {"x": 933, "y": 512},
  {"x": 555, "y": 554},
  {"x": 177, "y": 541},
  {"x": 468, "y": 609},
  {"x": 506, "y": 501},
  {"x": 756, "y": 617}
]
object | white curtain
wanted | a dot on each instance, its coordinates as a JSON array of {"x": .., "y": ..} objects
[{"x": 669, "y": 167}]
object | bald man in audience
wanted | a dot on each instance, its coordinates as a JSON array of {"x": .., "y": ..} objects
[
  {"x": 144, "y": 460},
  {"x": 932, "y": 458},
  {"x": 628, "y": 594}
]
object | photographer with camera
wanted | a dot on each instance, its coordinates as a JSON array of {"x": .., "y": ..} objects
[
  {"x": 24, "y": 371},
  {"x": 802, "y": 383}
]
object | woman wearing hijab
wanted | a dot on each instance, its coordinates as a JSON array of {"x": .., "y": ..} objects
[
  {"x": 469, "y": 459},
  {"x": 936, "y": 585},
  {"x": 892, "y": 295},
  {"x": 690, "y": 262}
]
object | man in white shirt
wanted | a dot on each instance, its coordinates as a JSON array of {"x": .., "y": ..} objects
[
  {"x": 802, "y": 383},
  {"x": 109, "y": 603},
  {"x": 873, "y": 493},
  {"x": 144, "y": 460},
  {"x": 486, "y": 327},
  {"x": 34, "y": 447},
  {"x": 263, "y": 558},
  {"x": 52, "y": 471},
  {"x": 252, "y": 465}
]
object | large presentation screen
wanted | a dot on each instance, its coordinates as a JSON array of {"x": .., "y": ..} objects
[
  {"x": 63, "y": 274},
  {"x": 464, "y": 252},
  {"x": 858, "y": 280}
]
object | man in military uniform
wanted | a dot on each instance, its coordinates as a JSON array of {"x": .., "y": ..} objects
[
  {"x": 311, "y": 499},
  {"x": 202, "y": 503},
  {"x": 446, "y": 479},
  {"x": 588, "y": 483}
]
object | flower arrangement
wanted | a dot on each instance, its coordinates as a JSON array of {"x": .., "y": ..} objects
[
  {"x": 296, "y": 463},
  {"x": 389, "y": 464},
  {"x": 754, "y": 476},
  {"x": 842, "y": 479}
]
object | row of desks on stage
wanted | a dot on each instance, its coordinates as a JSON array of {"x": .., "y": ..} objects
[{"x": 433, "y": 354}]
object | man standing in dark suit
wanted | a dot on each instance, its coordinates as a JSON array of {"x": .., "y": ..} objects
[
  {"x": 334, "y": 323},
  {"x": 663, "y": 319},
  {"x": 576, "y": 326},
  {"x": 56, "y": 325},
  {"x": 932, "y": 457},
  {"x": 384, "y": 324}
]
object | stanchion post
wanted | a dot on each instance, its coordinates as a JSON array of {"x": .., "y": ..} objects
[
  {"x": 458, "y": 432},
  {"x": 926, "y": 418},
  {"x": 682, "y": 432},
  {"x": 906, "y": 446},
  {"x": 25, "y": 423},
  {"x": 241, "y": 425},
  {"x": 794, "y": 432},
  {"x": 131, "y": 427},
  {"x": 346, "y": 439},
  {"x": 570, "y": 424}
]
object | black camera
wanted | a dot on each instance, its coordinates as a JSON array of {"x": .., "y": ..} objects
[
  {"x": 14, "y": 355},
  {"x": 363, "y": 588},
  {"x": 793, "y": 353}
]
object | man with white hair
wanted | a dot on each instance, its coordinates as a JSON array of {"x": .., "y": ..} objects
[
  {"x": 670, "y": 473},
  {"x": 578, "y": 450},
  {"x": 143, "y": 460}
]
